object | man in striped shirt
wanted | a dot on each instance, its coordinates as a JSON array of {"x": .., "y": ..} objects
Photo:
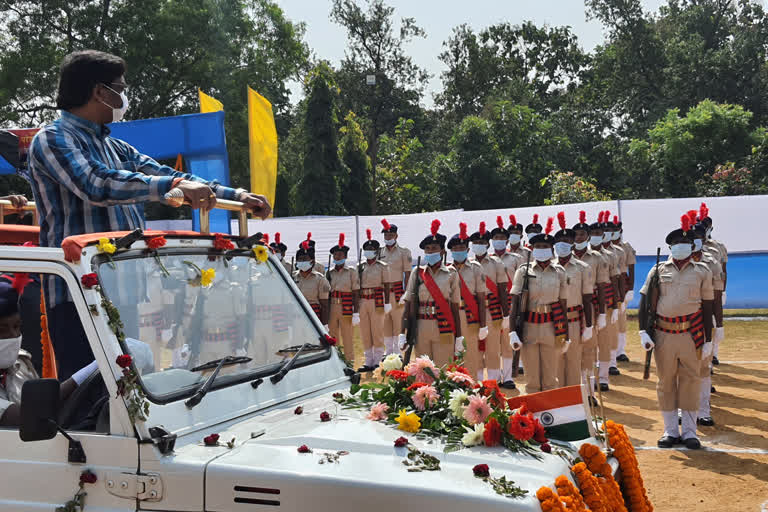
[{"x": 85, "y": 181}]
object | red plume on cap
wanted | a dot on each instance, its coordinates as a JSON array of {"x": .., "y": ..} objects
[
  {"x": 561, "y": 219},
  {"x": 20, "y": 281},
  {"x": 342, "y": 237},
  {"x": 434, "y": 227},
  {"x": 385, "y": 224},
  {"x": 550, "y": 225},
  {"x": 607, "y": 216},
  {"x": 305, "y": 245},
  {"x": 691, "y": 217},
  {"x": 482, "y": 229},
  {"x": 368, "y": 234},
  {"x": 513, "y": 220},
  {"x": 309, "y": 236},
  {"x": 535, "y": 218},
  {"x": 600, "y": 217},
  {"x": 582, "y": 217},
  {"x": 703, "y": 211},
  {"x": 463, "y": 231},
  {"x": 685, "y": 223},
  {"x": 265, "y": 237},
  {"x": 277, "y": 238},
  {"x": 500, "y": 222}
]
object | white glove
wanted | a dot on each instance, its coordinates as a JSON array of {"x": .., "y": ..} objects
[
  {"x": 482, "y": 333},
  {"x": 402, "y": 300},
  {"x": 723, "y": 297},
  {"x": 327, "y": 328},
  {"x": 459, "y": 344},
  {"x": 355, "y": 319},
  {"x": 566, "y": 346},
  {"x": 706, "y": 350},
  {"x": 505, "y": 322},
  {"x": 514, "y": 341},
  {"x": 83, "y": 373},
  {"x": 401, "y": 341},
  {"x": 646, "y": 341},
  {"x": 615, "y": 316},
  {"x": 623, "y": 306},
  {"x": 387, "y": 308},
  {"x": 587, "y": 334},
  {"x": 719, "y": 334},
  {"x": 601, "y": 321},
  {"x": 629, "y": 296}
]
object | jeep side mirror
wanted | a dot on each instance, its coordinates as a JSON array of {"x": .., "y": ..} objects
[{"x": 39, "y": 409}]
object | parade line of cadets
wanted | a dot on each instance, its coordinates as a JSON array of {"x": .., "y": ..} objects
[{"x": 560, "y": 301}]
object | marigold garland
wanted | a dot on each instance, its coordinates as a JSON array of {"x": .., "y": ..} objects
[
  {"x": 597, "y": 464},
  {"x": 550, "y": 502},
  {"x": 590, "y": 488},
  {"x": 631, "y": 480},
  {"x": 569, "y": 495}
]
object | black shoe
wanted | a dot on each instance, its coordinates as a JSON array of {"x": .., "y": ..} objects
[
  {"x": 706, "y": 421},
  {"x": 508, "y": 385},
  {"x": 520, "y": 371},
  {"x": 604, "y": 387},
  {"x": 715, "y": 361},
  {"x": 622, "y": 358},
  {"x": 365, "y": 369},
  {"x": 613, "y": 371},
  {"x": 712, "y": 390},
  {"x": 692, "y": 443},
  {"x": 667, "y": 442}
]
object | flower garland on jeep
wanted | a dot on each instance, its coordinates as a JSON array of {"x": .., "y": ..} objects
[
  {"x": 631, "y": 480},
  {"x": 448, "y": 404},
  {"x": 597, "y": 463}
]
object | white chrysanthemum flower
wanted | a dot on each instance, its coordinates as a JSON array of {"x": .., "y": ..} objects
[
  {"x": 459, "y": 400},
  {"x": 473, "y": 437},
  {"x": 391, "y": 362}
]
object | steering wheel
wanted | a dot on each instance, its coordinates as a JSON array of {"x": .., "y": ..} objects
[{"x": 84, "y": 409}]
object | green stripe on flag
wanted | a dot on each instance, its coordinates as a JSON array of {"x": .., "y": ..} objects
[{"x": 573, "y": 431}]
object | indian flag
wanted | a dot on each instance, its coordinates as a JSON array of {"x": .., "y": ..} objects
[{"x": 563, "y": 412}]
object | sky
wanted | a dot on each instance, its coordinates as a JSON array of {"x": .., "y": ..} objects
[{"x": 328, "y": 40}]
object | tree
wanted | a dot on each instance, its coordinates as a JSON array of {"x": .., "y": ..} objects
[
  {"x": 374, "y": 48},
  {"x": 353, "y": 153},
  {"x": 566, "y": 187}
]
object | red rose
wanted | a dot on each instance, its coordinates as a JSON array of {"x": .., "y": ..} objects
[
  {"x": 86, "y": 477},
  {"x": 220, "y": 243},
  {"x": 124, "y": 361},
  {"x": 324, "y": 416},
  {"x": 481, "y": 470},
  {"x": 546, "y": 448},
  {"x": 397, "y": 375},
  {"x": 401, "y": 441},
  {"x": 539, "y": 434},
  {"x": 338, "y": 396},
  {"x": 211, "y": 440},
  {"x": 304, "y": 449},
  {"x": 89, "y": 280},
  {"x": 330, "y": 340},
  {"x": 156, "y": 242},
  {"x": 492, "y": 433},
  {"x": 298, "y": 410},
  {"x": 457, "y": 368},
  {"x": 416, "y": 385},
  {"x": 521, "y": 426},
  {"x": 491, "y": 389}
]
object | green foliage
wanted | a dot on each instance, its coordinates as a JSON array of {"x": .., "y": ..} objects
[
  {"x": 566, "y": 187},
  {"x": 727, "y": 180},
  {"x": 353, "y": 153}
]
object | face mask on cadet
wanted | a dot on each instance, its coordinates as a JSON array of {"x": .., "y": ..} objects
[
  {"x": 580, "y": 246},
  {"x": 542, "y": 254},
  {"x": 607, "y": 236},
  {"x": 563, "y": 249},
  {"x": 9, "y": 351},
  {"x": 390, "y": 243},
  {"x": 340, "y": 263},
  {"x": 680, "y": 251},
  {"x": 117, "y": 113},
  {"x": 304, "y": 266},
  {"x": 459, "y": 256},
  {"x": 698, "y": 243},
  {"x": 432, "y": 258},
  {"x": 479, "y": 249},
  {"x": 514, "y": 239},
  {"x": 499, "y": 245},
  {"x": 596, "y": 239},
  {"x": 369, "y": 255}
]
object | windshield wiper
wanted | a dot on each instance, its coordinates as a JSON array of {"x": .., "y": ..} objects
[
  {"x": 289, "y": 364},
  {"x": 206, "y": 386},
  {"x": 306, "y": 346}
]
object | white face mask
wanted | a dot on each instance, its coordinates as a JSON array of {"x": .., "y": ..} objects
[
  {"x": 479, "y": 249},
  {"x": 680, "y": 251},
  {"x": 9, "y": 351},
  {"x": 607, "y": 236},
  {"x": 563, "y": 249},
  {"x": 118, "y": 113},
  {"x": 499, "y": 245},
  {"x": 514, "y": 239},
  {"x": 542, "y": 254},
  {"x": 698, "y": 243},
  {"x": 580, "y": 246},
  {"x": 304, "y": 266},
  {"x": 390, "y": 243},
  {"x": 369, "y": 255},
  {"x": 709, "y": 232},
  {"x": 595, "y": 240}
]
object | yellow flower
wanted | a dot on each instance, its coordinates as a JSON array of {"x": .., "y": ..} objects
[
  {"x": 260, "y": 253},
  {"x": 207, "y": 276},
  {"x": 106, "y": 246},
  {"x": 408, "y": 422}
]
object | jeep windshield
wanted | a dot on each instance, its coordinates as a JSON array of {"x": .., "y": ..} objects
[{"x": 183, "y": 311}]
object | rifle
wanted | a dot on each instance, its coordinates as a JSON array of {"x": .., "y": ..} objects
[
  {"x": 522, "y": 300},
  {"x": 328, "y": 270},
  {"x": 360, "y": 266},
  {"x": 650, "y": 307},
  {"x": 293, "y": 267},
  {"x": 413, "y": 316}
]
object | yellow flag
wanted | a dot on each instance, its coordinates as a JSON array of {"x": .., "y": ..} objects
[
  {"x": 262, "y": 138},
  {"x": 208, "y": 103}
]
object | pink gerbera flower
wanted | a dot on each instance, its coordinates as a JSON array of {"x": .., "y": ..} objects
[
  {"x": 477, "y": 410},
  {"x": 423, "y": 369},
  {"x": 424, "y": 397},
  {"x": 378, "y": 412},
  {"x": 461, "y": 378}
]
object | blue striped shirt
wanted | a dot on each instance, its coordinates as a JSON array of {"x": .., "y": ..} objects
[{"x": 85, "y": 181}]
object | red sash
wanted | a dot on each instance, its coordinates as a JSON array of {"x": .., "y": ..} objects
[
  {"x": 472, "y": 308},
  {"x": 494, "y": 303},
  {"x": 509, "y": 282},
  {"x": 442, "y": 304}
]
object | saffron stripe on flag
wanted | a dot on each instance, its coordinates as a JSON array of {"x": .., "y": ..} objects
[{"x": 545, "y": 400}]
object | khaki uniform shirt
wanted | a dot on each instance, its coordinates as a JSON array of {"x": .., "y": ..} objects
[
  {"x": 319, "y": 267},
  {"x": 578, "y": 280},
  {"x": 345, "y": 280},
  {"x": 613, "y": 261},
  {"x": 716, "y": 269},
  {"x": 398, "y": 262},
  {"x": 493, "y": 268},
  {"x": 446, "y": 278},
  {"x": 374, "y": 275},
  {"x": 472, "y": 274},
  {"x": 631, "y": 253},
  {"x": 545, "y": 286},
  {"x": 681, "y": 291},
  {"x": 521, "y": 251},
  {"x": 21, "y": 371},
  {"x": 314, "y": 287},
  {"x": 718, "y": 248},
  {"x": 511, "y": 261},
  {"x": 621, "y": 255},
  {"x": 598, "y": 264}
]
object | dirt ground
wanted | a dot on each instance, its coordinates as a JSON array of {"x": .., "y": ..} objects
[{"x": 729, "y": 474}]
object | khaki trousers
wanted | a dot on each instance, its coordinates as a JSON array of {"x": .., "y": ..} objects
[
  {"x": 491, "y": 358},
  {"x": 569, "y": 364},
  {"x": 623, "y": 321},
  {"x": 679, "y": 368},
  {"x": 607, "y": 340},
  {"x": 429, "y": 343},
  {"x": 589, "y": 347},
  {"x": 340, "y": 327},
  {"x": 540, "y": 363},
  {"x": 394, "y": 319},
  {"x": 371, "y": 321},
  {"x": 472, "y": 356}
]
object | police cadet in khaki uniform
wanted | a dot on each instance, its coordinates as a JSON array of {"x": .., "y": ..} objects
[
  {"x": 438, "y": 291},
  {"x": 374, "y": 303},
  {"x": 533, "y": 229},
  {"x": 545, "y": 334},
  {"x": 280, "y": 248},
  {"x": 628, "y": 275},
  {"x": 497, "y": 310},
  {"x": 683, "y": 334},
  {"x": 312, "y": 284},
  {"x": 720, "y": 253},
  {"x": 472, "y": 290},
  {"x": 579, "y": 284},
  {"x": 607, "y": 338},
  {"x": 345, "y": 298},
  {"x": 515, "y": 234},
  {"x": 398, "y": 260},
  {"x": 600, "y": 276},
  {"x": 621, "y": 258}
]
